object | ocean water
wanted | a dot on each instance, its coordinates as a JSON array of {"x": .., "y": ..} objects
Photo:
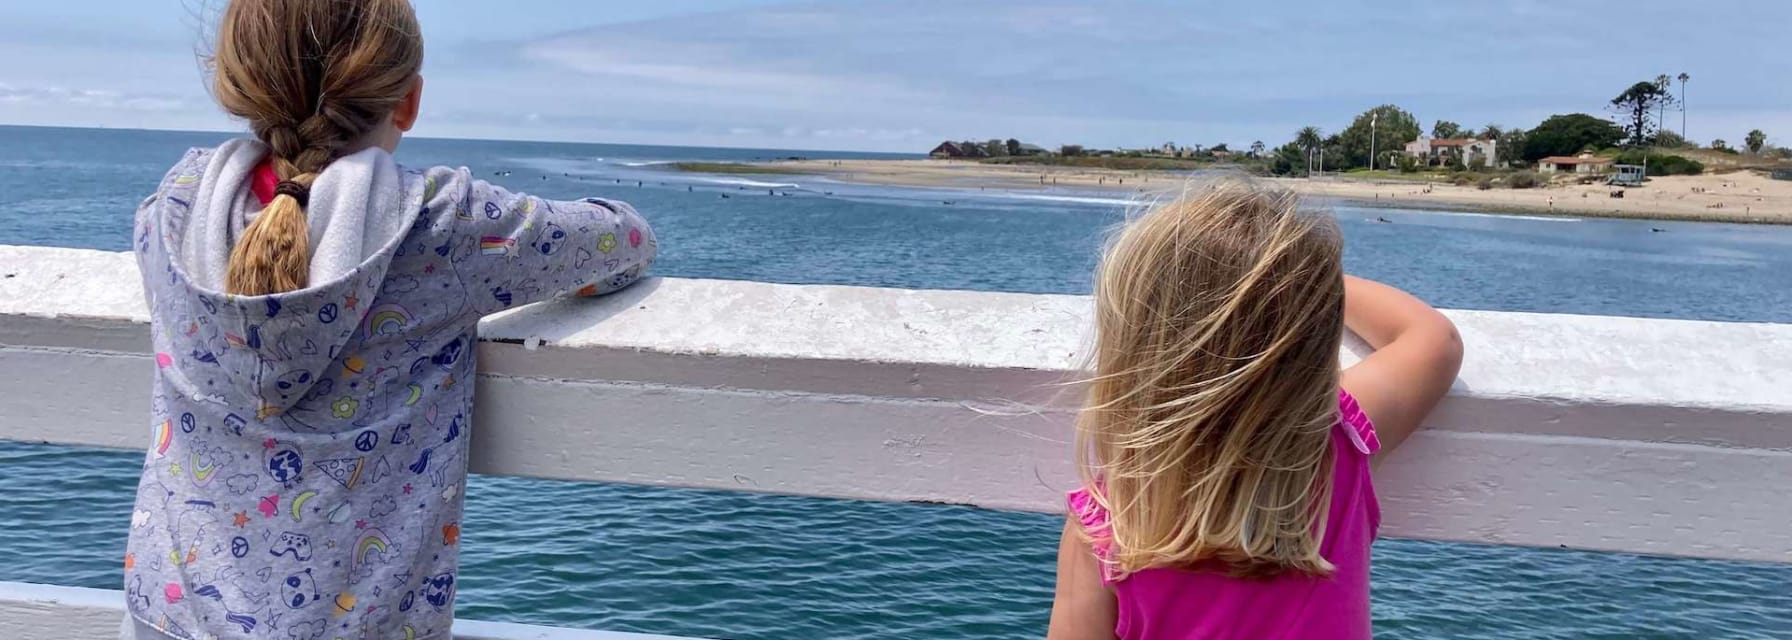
[{"x": 728, "y": 565}]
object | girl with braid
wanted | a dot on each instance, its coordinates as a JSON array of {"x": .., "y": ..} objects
[{"x": 313, "y": 309}]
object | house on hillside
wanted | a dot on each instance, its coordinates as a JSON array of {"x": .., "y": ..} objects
[
  {"x": 1444, "y": 152},
  {"x": 1031, "y": 150},
  {"x": 950, "y": 149},
  {"x": 1585, "y": 164}
]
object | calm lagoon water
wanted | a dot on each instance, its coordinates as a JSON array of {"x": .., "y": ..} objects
[{"x": 727, "y": 565}]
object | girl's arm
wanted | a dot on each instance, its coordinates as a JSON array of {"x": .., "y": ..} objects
[
  {"x": 1417, "y": 355},
  {"x": 1083, "y": 608},
  {"x": 514, "y": 249}
]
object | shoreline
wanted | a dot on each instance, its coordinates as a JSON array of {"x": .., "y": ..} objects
[
  {"x": 1454, "y": 202},
  {"x": 1546, "y": 212},
  {"x": 1739, "y": 198}
]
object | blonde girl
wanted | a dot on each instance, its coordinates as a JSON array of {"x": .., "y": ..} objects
[{"x": 1226, "y": 458}]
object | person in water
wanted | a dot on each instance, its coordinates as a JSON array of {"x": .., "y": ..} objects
[
  {"x": 1226, "y": 460},
  {"x": 313, "y": 312}
]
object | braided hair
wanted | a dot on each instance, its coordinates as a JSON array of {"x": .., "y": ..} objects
[{"x": 312, "y": 78}]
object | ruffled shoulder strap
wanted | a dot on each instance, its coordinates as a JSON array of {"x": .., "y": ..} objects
[
  {"x": 1089, "y": 512},
  {"x": 1356, "y": 424}
]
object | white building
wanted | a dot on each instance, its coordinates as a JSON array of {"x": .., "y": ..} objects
[{"x": 1443, "y": 152}]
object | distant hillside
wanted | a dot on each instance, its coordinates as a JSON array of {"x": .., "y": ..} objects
[{"x": 1725, "y": 162}]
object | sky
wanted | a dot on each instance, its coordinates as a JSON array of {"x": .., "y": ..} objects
[{"x": 901, "y": 75}]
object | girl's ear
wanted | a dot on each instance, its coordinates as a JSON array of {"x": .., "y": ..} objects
[{"x": 405, "y": 116}]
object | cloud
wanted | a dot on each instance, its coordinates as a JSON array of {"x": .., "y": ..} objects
[
  {"x": 241, "y": 484},
  {"x": 61, "y": 97},
  {"x": 382, "y": 507},
  {"x": 89, "y": 98},
  {"x": 894, "y": 74},
  {"x": 901, "y": 74}
]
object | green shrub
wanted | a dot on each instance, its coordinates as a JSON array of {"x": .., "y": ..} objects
[
  {"x": 1669, "y": 139},
  {"x": 1676, "y": 166},
  {"x": 1484, "y": 184},
  {"x": 1661, "y": 164},
  {"x": 1096, "y": 162},
  {"x": 1524, "y": 180}
]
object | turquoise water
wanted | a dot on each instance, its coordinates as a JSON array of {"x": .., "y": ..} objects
[{"x": 726, "y": 565}]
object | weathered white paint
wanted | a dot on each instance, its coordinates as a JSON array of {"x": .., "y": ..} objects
[
  {"x": 46, "y": 612},
  {"x": 1652, "y": 436}
]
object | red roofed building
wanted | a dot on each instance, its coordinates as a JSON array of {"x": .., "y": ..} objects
[{"x": 1585, "y": 163}]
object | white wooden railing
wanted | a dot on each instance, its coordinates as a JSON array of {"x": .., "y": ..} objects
[{"x": 1613, "y": 434}]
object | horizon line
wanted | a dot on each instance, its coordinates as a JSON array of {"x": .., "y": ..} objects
[{"x": 467, "y": 139}]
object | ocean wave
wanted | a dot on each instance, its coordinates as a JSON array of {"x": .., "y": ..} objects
[
  {"x": 646, "y": 163},
  {"x": 1076, "y": 199},
  {"x": 741, "y": 182},
  {"x": 1510, "y": 216}
]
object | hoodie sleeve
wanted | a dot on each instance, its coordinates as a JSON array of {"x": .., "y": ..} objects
[{"x": 524, "y": 249}]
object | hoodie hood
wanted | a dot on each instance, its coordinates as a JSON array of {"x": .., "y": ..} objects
[{"x": 277, "y": 346}]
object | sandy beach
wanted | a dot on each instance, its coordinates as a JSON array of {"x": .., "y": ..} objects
[{"x": 1742, "y": 196}]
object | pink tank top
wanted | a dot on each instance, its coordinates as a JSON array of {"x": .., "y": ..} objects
[{"x": 1175, "y": 604}]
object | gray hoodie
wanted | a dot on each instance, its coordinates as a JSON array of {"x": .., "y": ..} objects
[{"x": 310, "y": 448}]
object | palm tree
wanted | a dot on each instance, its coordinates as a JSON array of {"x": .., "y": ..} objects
[
  {"x": 1309, "y": 138},
  {"x": 1663, "y": 81},
  {"x": 1683, "y": 78}
]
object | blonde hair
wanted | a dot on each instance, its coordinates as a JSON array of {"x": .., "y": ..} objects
[
  {"x": 312, "y": 78},
  {"x": 1206, "y": 432}
]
